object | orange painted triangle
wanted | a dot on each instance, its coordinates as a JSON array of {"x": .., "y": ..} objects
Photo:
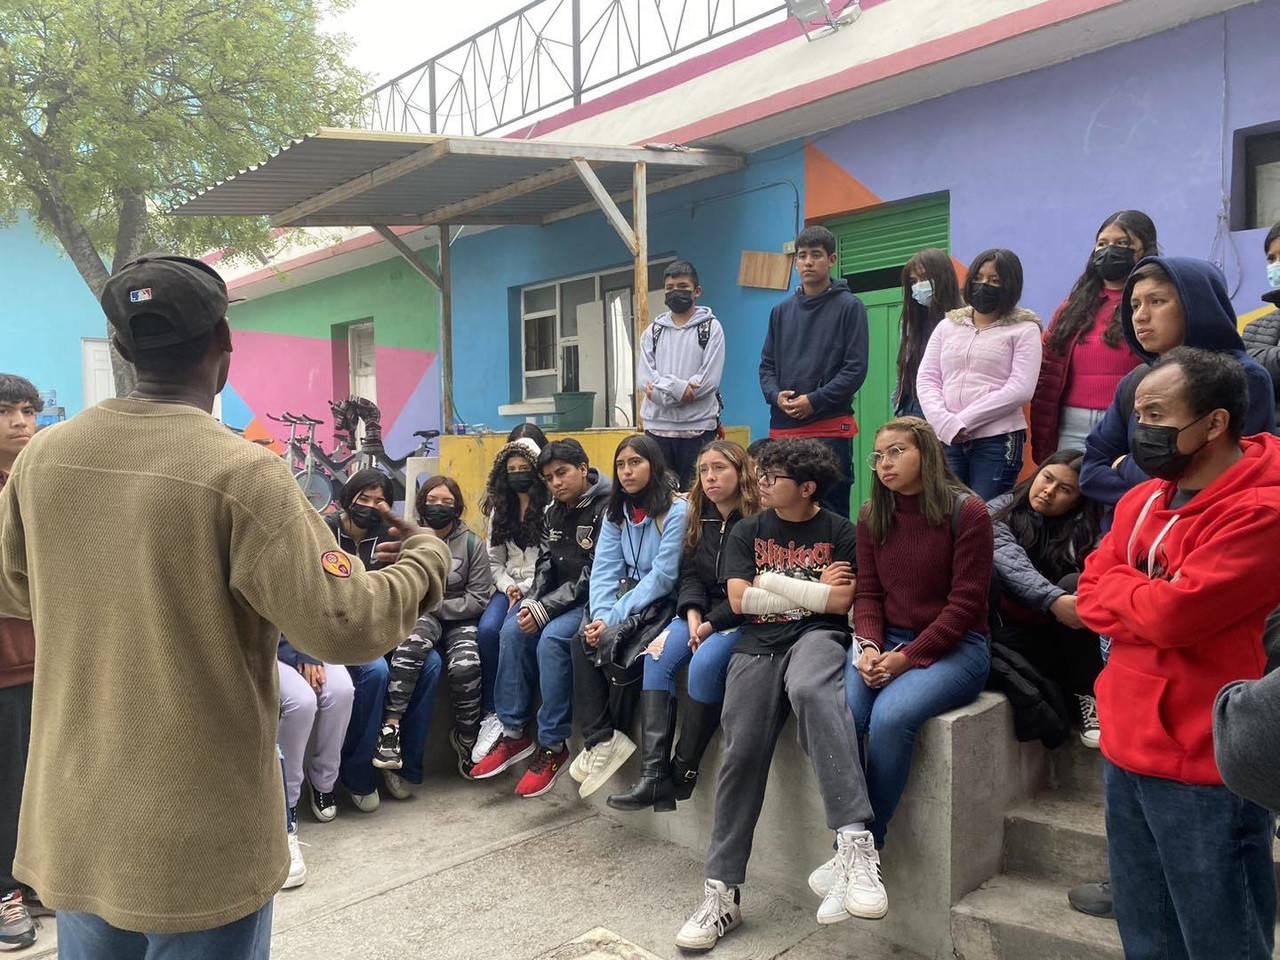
[{"x": 829, "y": 189}]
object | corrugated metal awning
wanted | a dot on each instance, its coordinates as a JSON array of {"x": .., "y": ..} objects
[{"x": 366, "y": 178}]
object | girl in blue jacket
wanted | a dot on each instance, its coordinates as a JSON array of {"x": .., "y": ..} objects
[{"x": 636, "y": 564}]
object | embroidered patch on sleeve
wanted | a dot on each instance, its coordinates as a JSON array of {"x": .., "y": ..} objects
[{"x": 336, "y": 564}]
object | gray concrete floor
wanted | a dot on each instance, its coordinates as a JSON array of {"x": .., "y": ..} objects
[{"x": 469, "y": 871}]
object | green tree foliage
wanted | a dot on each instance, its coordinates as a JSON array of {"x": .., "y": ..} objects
[{"x": 114, "y": 111}]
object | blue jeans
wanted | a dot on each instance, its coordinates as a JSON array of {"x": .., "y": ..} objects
[
  {"x": 84, "y": 936},
  {"x": 526, "y": 659},
  {"x": 488, "y": 634},
  {"x": 889, "y": 718},
  {"x": 989, "y": 466},
  {"x": 707, "y": 666},
  {"x": 1191, "y": 869},
  {"x": 357, "y": 772}
]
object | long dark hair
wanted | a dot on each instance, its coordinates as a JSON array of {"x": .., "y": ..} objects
[
  {"x": 917, "y": 321},
  {"x": 501, "y": 504},
  {"x": 1082, "y": 302},
  {"x": 655, "y": 499},
  {"x": 940, "y": 485},
  {"x": 1056, "y": 546}
]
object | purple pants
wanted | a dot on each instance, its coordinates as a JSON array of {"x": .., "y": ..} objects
[{"x": 319, "y": 719}]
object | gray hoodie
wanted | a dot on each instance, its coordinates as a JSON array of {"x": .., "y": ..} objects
[
  {"x": 470, "y": 583},
  {"x": 1246, "y": 739},
  {"x": 678, "y": 359}
]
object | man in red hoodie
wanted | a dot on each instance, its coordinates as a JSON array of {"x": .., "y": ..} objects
[
  {"x": 19, "y": 404},
  {"x": 1183, "y": 584}
]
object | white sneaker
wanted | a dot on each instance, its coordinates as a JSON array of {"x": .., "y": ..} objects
[
  {"x": 490, "y": 731},
  {"x": 606, "y": 759},
  {"x": 718, "y": 914},
  {"x": 396, "y": 785},
  {"x": 832, "y": 910},
  {"x": 864, "y": 895},
  {"x": 297, "y": 869},
  {"x": 581, "y": 766},
  {"x": 1090, "y": 733},
  {"x": 366, "y": 802},
  {"x": 820, "y": 880}
]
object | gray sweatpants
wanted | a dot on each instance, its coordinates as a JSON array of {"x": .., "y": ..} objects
[
  {"x": 760, "y": 692},
  {"x": 456, "y": 640}
]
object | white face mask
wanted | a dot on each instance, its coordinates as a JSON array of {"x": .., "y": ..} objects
[
  {"x": 1273, "y": 275},
  {"x": 922, "y": 292}
]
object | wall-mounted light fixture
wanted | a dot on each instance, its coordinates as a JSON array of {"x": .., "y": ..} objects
[{"x": 818, "y": 12}]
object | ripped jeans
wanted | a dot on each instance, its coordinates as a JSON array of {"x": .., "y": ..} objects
[{"x": 989, "y": 466}]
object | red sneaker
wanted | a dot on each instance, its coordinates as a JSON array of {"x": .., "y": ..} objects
[
  {"x": 543, "y": 772},
  {"x": 504, "y": 753}
]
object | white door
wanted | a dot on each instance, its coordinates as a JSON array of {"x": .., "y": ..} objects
[
  {"x": 95, "y": 364},
  {"x": 593, "y": 370},
  {"x": 364, "y": 382}
]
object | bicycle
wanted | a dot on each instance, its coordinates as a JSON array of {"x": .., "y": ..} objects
[{"x": 320, "y": 488}]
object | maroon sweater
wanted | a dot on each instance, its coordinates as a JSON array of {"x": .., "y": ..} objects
[
  {"x": 922, "y": 579},
  {"x": 17, "y": 644}
]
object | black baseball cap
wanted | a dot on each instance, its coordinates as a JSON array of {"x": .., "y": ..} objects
[{"x": 188, "y": 294}]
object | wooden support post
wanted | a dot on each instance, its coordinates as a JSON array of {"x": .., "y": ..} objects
[
  {"x": 447, "y": 412},
  {"x": 640, "y": 214},
  {"x": 605, "y": 202},
  {"x": 409, "y": 255}
]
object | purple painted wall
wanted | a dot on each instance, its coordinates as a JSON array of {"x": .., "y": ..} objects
[{"x": 1035, "y": 162}]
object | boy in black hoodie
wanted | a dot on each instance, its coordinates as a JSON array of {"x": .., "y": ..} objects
[
  {"x": 534, "y": 647},
  {"x": 815, "y": 359}
]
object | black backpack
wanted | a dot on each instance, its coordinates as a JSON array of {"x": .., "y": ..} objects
[{"x": 704, "y": 337}]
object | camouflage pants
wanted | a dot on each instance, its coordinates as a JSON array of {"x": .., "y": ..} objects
[{"x": 461, "y": 654}]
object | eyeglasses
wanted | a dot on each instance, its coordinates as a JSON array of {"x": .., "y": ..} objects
[
  {"x": 769, "y": 479},
  {"x": 892, "y": 455}
]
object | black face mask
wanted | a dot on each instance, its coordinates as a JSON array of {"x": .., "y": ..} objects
[
  {"x": 1154, "y": 449},
  {"x": 521, "y": 481},
  {"x": 1114, "y": 263},
  {"x": 983, "y": 297},
  {"x": 364, "y": 517},
  {"x": 679, "y": 301},
  {"x": 439, "y": 516}
]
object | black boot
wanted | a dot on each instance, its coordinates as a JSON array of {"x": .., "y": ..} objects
[
  {"x": 657, "y": 730},
  {"x": 701, "y": 721}
]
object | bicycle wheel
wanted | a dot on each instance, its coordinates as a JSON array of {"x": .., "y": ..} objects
[{"x": 316, "y": 487}]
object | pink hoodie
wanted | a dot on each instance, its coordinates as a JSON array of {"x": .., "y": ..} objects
[{"x": 978, "y": 380}]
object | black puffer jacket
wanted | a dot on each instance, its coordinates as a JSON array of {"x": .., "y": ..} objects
[
  {"x": 702, "y": 583},
  {"x": 1262, "y": 342},
  {"x": 562, "y": 575}
]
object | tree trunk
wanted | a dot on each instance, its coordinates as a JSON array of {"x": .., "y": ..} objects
[{"x": 80, "y": 248}]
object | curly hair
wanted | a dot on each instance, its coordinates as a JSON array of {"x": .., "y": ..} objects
[
  {"x": 804, "y": 459},
  {"x": 748, "y": 488},
  {"x": 501, "y": 504}
]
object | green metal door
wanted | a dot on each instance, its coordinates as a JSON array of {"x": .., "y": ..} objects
[
  {"x": 873, "y": 404},
  {"x": 871, "y": 249}
]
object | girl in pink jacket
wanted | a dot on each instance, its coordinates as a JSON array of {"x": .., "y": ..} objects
[{"x": 979, "y": 369}]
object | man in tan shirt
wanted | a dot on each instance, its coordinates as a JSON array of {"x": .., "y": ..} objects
[{"x": 159, "y": 557}]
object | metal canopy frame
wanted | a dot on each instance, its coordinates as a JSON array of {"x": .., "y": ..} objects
[{"x": 359, "y": 178}]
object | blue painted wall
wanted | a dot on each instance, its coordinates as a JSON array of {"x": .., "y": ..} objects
[
  {"x": 712, "y": 233},
  {"x": 48, "y": 309}
]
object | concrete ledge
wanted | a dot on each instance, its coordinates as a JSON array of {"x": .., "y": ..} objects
[{"x": 947, "y": 835}]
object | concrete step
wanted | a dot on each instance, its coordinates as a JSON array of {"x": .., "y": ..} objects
[
  {"x": 1058, "y": 838},
  {"x": 1062, "y": 839},
  {"x": 1010, "y": 918},
  {"x": 1075, "y": 768}
]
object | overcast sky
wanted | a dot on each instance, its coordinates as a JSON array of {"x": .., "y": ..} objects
[{"x": 393, "y": 35}]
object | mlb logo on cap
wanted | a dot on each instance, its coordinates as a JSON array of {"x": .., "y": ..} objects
[{"x": 140, "y": 296}]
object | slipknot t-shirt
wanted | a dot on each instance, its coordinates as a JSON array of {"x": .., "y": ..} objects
[{"x": 762, "y": 543}]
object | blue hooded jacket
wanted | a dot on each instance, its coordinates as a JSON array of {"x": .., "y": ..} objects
[{"x": 1210, "y": 325}]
